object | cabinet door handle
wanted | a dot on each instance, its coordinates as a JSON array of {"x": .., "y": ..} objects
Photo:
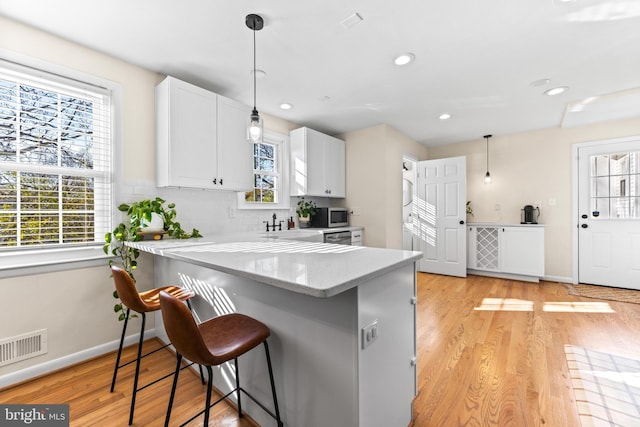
[
  {"x": 461, "y": 222},
  {"x": 215, "y": 181},
  {"x": 220, "y": 181},
  {"x": 584, "y": 225}
]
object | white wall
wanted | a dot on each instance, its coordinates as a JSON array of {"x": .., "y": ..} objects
[
  {"x": 374, "y": 181},
  {"x": 531, "y": 168}
]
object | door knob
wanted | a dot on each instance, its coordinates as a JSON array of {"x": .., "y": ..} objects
[{"x": 584, "y": 225}]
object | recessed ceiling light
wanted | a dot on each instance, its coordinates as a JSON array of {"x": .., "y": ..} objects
[
  {"x": 260, "y": 74},
  {"x": 445, "y": 116},
  {"x": 286, "y": 106},
  {"x": 351, "y": 20},
  {"x": 556, "y": 90},
  {"x": 540, "y": 82},
  {"x": 404, "y": 59}
]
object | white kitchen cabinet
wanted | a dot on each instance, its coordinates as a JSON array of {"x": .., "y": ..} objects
[
  {"x": 317, "y": 164},
  {"x": 200, "y": 139},
  {"x": 504, "y": 250}
]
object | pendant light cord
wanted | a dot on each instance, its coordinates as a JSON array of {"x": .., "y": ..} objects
[
  {"x": 487, "y": 138},
  {"x": 254, "y": 68}
]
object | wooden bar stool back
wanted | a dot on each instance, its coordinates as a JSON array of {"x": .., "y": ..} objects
[
  {"x": 141, "y": 303},
  {"x": 211, "y": 343}
]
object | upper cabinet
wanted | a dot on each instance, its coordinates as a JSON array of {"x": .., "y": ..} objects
[
  {"x": 317, "y": 164},
  {"x": 201, "y": 139}
]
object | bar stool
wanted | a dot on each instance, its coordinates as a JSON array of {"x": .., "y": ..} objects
[
  {"x": 212, "y": 343},
  {"x": 142, "y": 303}
]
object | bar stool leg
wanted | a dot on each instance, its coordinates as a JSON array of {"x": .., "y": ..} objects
[
  {"x": 208, "y": 407},
  {"x": 115, "y": 370},
  {"x": 173, "y": 389},
  {"x": 135, "y": 378},
  {"x": 238, "y": 388},
  {"x": 273, "y": 385}
]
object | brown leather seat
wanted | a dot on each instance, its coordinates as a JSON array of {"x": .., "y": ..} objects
[
  {"x": 212, "y": 343},
  {"x": 142, "y": 303}
]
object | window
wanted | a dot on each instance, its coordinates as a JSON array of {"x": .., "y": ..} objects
[
  {"x": 55, "y": 160},
  {"x": 615, "y": 185},
  {"x": 270, "y": 185},
  {"x": 266, "y": 174}
]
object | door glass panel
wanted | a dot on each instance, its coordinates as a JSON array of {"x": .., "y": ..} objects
[
  {"x": 618, "y": 186},
  {"x": 600, "y": 165},
  {"x": 635, "y": 207},
  {"x": 620, "y": 208},
  {"x": 634, "y": 185},
  {"x": 619, "y": 164},
  {"x": 615, "y": 186},
  {"x": 600, "y": 187}
]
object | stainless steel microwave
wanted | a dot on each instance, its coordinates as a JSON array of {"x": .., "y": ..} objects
[{"x": 330, "y": 217}]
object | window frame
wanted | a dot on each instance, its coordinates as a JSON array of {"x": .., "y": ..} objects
[
  {"x": 282, "y": 161},
  {"x": 25, "y": 260}
]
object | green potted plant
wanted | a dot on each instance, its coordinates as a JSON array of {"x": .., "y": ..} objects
[
  {"x": 305, "y": 210},
  {"x": 142, "y": 214}
]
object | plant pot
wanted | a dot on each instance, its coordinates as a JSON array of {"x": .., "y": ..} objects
[
  {"x": 156, "y": 223},
  {"x": 303, "y": 221}
]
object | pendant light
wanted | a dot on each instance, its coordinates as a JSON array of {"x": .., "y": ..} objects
[
  {"x": 487, "y": 177},
  {"x": 254, "y": 127}
]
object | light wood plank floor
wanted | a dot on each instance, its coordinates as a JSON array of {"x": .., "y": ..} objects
[
  {"x": 85, "y": 387},
  {"x": 489, "y": 367},
  {"x": 498, "y": 367}
]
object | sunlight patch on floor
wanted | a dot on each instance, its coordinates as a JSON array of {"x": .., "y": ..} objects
[{"x": 578, "y": 307}]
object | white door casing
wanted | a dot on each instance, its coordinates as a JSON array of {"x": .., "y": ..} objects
[
  {"x": 439, "y": 214},
  {"x": 608, "y": 221}
]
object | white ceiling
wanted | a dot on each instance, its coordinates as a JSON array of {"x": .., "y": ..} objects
[{"x": 474, "y": 59}]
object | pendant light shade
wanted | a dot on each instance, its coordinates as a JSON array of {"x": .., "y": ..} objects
[
  {"x": 487, "y": 176},
  {"x": 254, "y": 126}
]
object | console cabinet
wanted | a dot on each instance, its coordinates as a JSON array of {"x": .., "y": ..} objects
[
  {"x": 317, "y": 164},
  {"x": 503, "y": 250},
  {"x": 200, "y": 139}
]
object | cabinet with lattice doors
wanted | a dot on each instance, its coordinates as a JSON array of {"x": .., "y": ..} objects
[
  {"x": 483, "y": 250},
  {"x": 502, "y": 250}
]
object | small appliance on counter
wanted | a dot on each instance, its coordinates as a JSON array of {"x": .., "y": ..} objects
[
  {"x": 529, "y": 214},
  {"x": 330, "y": 217}
]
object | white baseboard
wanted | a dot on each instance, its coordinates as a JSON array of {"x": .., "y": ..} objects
[
  {"x": 68, "y": 360},
  {"x": 560, "y": 279}
]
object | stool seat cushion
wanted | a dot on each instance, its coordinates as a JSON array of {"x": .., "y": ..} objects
[
  {"x": 151, "y": 298},
  {"x": 144, "y": 302},
  {"x": 213, "y": 341},
  {"x": 231, "y": 335}
]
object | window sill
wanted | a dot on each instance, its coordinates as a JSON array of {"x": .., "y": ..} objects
[{"x": 27, "y": 262}]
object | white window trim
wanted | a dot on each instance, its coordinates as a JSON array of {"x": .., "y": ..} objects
[
  {"x": 282, "y": 141},
  {"x": 21, "y": 262}
]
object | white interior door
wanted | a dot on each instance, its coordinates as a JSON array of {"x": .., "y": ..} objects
[
  {"x": 609, "y": 214},
  {"x": 439, "y": 214}
]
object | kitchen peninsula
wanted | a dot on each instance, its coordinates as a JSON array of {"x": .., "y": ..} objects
[{"x": 342, "y": 322}]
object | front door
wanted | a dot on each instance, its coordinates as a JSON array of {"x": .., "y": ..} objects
[
  {"x": 439, "y": 214},
  {"x": 609, "y": 213}
]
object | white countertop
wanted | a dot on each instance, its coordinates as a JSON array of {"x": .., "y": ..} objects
[
  {"x": 315, "y": 269},
  {"x": 501, "y": 224}
]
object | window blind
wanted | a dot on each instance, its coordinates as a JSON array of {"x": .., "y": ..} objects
[{"x": 55, "y": 160}]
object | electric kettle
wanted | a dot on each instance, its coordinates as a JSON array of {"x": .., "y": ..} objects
[{"x": 529, "y": 215}]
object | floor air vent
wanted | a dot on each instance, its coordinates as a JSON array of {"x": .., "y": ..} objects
[{"x": 23, "y": 347}]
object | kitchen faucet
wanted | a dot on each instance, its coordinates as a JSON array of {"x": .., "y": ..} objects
[{"x": 273, "y": 224}]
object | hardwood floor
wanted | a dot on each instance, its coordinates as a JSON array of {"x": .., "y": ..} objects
[
  {"x": 488, "y": 355},
  {"x": 85, "y": 387},
  {"x": 504, "y": 364}
]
